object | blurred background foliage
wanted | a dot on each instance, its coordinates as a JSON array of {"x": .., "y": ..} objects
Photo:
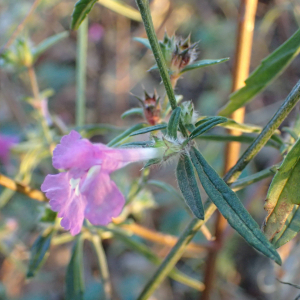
[{"x": 116, "y": 66}]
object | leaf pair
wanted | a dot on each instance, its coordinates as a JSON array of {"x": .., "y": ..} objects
[{"x": 223, "y": 197}]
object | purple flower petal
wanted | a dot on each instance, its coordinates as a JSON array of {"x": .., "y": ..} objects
[
  {"x": 113, "y": 159},
  {"x": 66, "y": 200},
  {"x": 75, "y": 152},
  {"x": 104, "y": 200}
]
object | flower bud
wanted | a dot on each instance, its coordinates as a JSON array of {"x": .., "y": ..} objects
[
  {"x": 151, "y": 108},
  {"x": 188, "y": 114},
  {"x": 169, "y": 145},
  {"x": 178, "y": 53}
]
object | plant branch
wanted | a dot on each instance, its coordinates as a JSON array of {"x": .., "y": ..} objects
[
  {"x": 21, "y": 188},
  {"x": 195, "y": 224},
  {"x": 144, "y": 8}
]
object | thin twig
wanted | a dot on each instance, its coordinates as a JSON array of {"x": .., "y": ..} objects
[
  {"x": 160, "y": 238},
  {"x": 21, "y": 188}
]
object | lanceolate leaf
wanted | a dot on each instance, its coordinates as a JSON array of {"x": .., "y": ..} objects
[
  {"x": 188, "y": 186},
  {"x": 39, "y": 252},
  {"x": 271, "y": 67},
  {"x": 143, "y": 41},
  {"x": 132, "y": 111},
  {"x": 173, "y": 123},
  {"x": 47, "y": 43},
  {"x": 151, "y": 162},
  {"x": 74, "y": 275},
  {"x": 137, "y": 144},
  {"x": 165, "y": 186},
  {"x": 230, "y": 206},
  {"x": 231, "y": 124},
  {"x": 212, "y": 122},
  {"x": 149, "y": 129},
  {"x": 81, "y": 10},
  {"x": 236, "y": 138},
  {"x": 122, "y": 8},
  {"x": 126, "y": 134},
  {"x": 283, "y": 193},
  {"x": 289, "y": 230},
  {"x": 203, "y": 63}
]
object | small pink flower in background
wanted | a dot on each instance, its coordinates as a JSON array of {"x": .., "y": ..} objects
[
  {"x": 86, "y": 190},
  {"x": 96, "y": 32},
  {"x": 6, "y": 142}
]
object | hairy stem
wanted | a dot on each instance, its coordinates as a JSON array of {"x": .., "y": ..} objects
[{"x": 144, "y": 8}]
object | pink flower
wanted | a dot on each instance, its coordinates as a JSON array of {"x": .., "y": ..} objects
[
  {"x": 86, "y": 190},
  {"x": 6, "y": 142},
  {"x": 96, "y": 32}
]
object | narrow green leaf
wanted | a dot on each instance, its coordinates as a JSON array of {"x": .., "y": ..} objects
[
  {"x": 137, "y": 144},
  {"x": 188, "y": 186},
  {"x": 143, "y": 41},
  {"x": 203, "y": 63},
  {"x": 74, "y": 275},
  {"x": 149, "y": 129},
  {"x": 122, "y": 8},
  {"x": 283, "y": 192},
  {"x": 245, "y": 139},
  {"x": 165, "y": 186},
  {"x": 270, "y": 68},
  {"x": 132, "y": 111},
  {"x": 81, "y": 10},
  {"x": 230, "y": 206},
  {"x": 212, "y": 122},
  {"x": 39, "y": 252},
  {"x": 47, "y": 43},
  {"x": 231, "y": 124},
  {"x": 153, "y": 161},
  {"x": 126, "y": 134},
  {"x": 289, "y": 230},
  {"x": 174, "y": 122}
]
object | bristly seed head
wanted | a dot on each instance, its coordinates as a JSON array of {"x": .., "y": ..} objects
[
  {"x": 151, "y": 108},
  {"x": 178, "y": 53}
]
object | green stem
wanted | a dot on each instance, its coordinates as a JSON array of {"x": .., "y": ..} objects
[
  {"x": 195, "y": 224},
  {"x": 81, "y": 72},
  {"x": 102, "y": 266},
  {"x": 144, "y": 8}
]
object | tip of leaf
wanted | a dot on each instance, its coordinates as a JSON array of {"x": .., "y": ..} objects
[{"x": 278, "y": 260}]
